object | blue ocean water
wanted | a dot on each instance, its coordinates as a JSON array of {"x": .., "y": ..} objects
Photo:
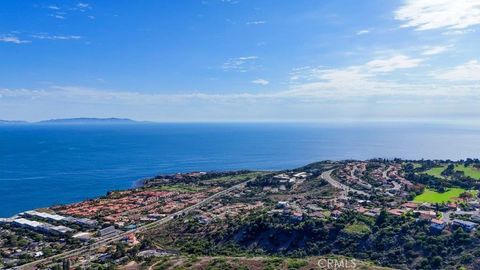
[{"x": 42, "y": 165}]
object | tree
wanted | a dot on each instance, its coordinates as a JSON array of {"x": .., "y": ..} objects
[
  {"x": 450, "y": 170},
  {"x": 66, "y": 264},
  {"x": 382, "y": 217},
  {"x": 466, "y": 195}
]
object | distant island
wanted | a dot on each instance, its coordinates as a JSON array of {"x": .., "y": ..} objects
[
  {"x": 76, "y": 121},
  {"x": 12, "y": 122}
]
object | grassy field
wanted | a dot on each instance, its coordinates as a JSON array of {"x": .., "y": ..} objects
[
  {"x": 436, "y": 171},
  {"x": 357, "y": 228},
  {"x": 432, "y": 196},
  {"x": 416, "y": 165},
  {"x": 179, "y": 188},
  {"x": 468, "y": 171},
  {"x": 234, "y": 178}
]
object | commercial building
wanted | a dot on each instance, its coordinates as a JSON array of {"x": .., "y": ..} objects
[{"x": 41, "y": 226}]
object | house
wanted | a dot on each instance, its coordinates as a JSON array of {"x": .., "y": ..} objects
[
  {"x": 396, "y": 212},
  {"x": 38, "y": 254},
  {"x": 426, "y": 206},
  {"x": 437, "y": 224},
  {"x": 131, "y": 239},
  {"x": 428, "y": 215},
  {"x": 282, "y": 176},
  {"x": 466, "y": 225},
  {"x": 372, "y": 212},
  {"x": 297, "y": 216},
  {"x": 410, "y": 205},
  {"x": 317, "y": 214},
  {"x": 361, "y": 210},
  {"x": 301, "y": 175},
  {"x": 203, "y": 219},
  {"x": 282, "y": 204},
  {"x": 474, "y": 203},
  {"x": 336, "y": 213},
  {"x": 452, "y": 206},
  {"x": 475, "y": 218}
]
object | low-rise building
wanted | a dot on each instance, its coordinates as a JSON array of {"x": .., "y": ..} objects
[
  {"x": 42, "y": 227},
  {"x": 466, "y": 225},
  {"x": 426, "y": 214},
  {"x": 396, "y": 212},
  {"x": 282, "y": 204},
  {"x": 410, "y": 205},
  {"x": 43, "y": 215},
  {"x": 108, "y": 231},
  {"x": 437, "y": 224},
  {"x": 296, "y": 215}
]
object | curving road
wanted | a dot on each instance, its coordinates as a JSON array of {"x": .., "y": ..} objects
[{"x": 327, "y": 176}]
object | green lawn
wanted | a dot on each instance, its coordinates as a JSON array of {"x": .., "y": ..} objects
[
  {"x": 432, "y": 196},
  {"x": 234, "y": 178},
  {"x": 436, "y": 171},
  {"x": 468, "y": 171},
  {"x": 416, "y": 165},
  {"x": 357, "y": 228}
]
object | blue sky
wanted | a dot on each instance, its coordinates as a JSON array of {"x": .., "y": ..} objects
[{"x": 238, "y": 60}]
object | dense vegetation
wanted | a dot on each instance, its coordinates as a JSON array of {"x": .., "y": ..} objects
[{"x": 401, "y": 242}]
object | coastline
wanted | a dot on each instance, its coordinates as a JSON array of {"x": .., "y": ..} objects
[
  {"x": 47, "y": 165},
  {"x": 316, "y": 192}
]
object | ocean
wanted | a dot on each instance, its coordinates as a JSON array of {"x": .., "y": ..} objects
[{"x": 43, "y": 165}]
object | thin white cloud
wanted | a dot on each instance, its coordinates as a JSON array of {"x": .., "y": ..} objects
[
  {"x": 13, "y": 39},
  {"x": 260, "y": 81},
  {"x": 363, "y": 32},
  {"x": 256, "y": 22},
  {"x": 61, "y": 13},
  {"x": 469, "y": 71},
  {"x": 352, "y": 83},
  {"x": 433, "y": 50},
  {"x": 458, "y": 32},
  {"x": 57, "y": 16},
  {"x": 437, "y": 14},
  {"x": 369, "y": 80},
  {"x": 56, "y": 37},
  {"x": 330, "y": 85},
  {"x": 393, "y": 63},
  {"x": 233, "y": 2},
  {"x": 83, "y": 6},
  {"x": 240, "y": 64}
]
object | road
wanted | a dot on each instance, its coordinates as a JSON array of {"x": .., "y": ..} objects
[
  {"x": 108, "y": 240},
  {"x": 327, "y": 176},
  {"x": 385, "y": 173},
  {"x": 446, "y": 215}
]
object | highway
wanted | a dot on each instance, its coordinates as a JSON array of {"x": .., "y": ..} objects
[{"x": 108, "y": 240}]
